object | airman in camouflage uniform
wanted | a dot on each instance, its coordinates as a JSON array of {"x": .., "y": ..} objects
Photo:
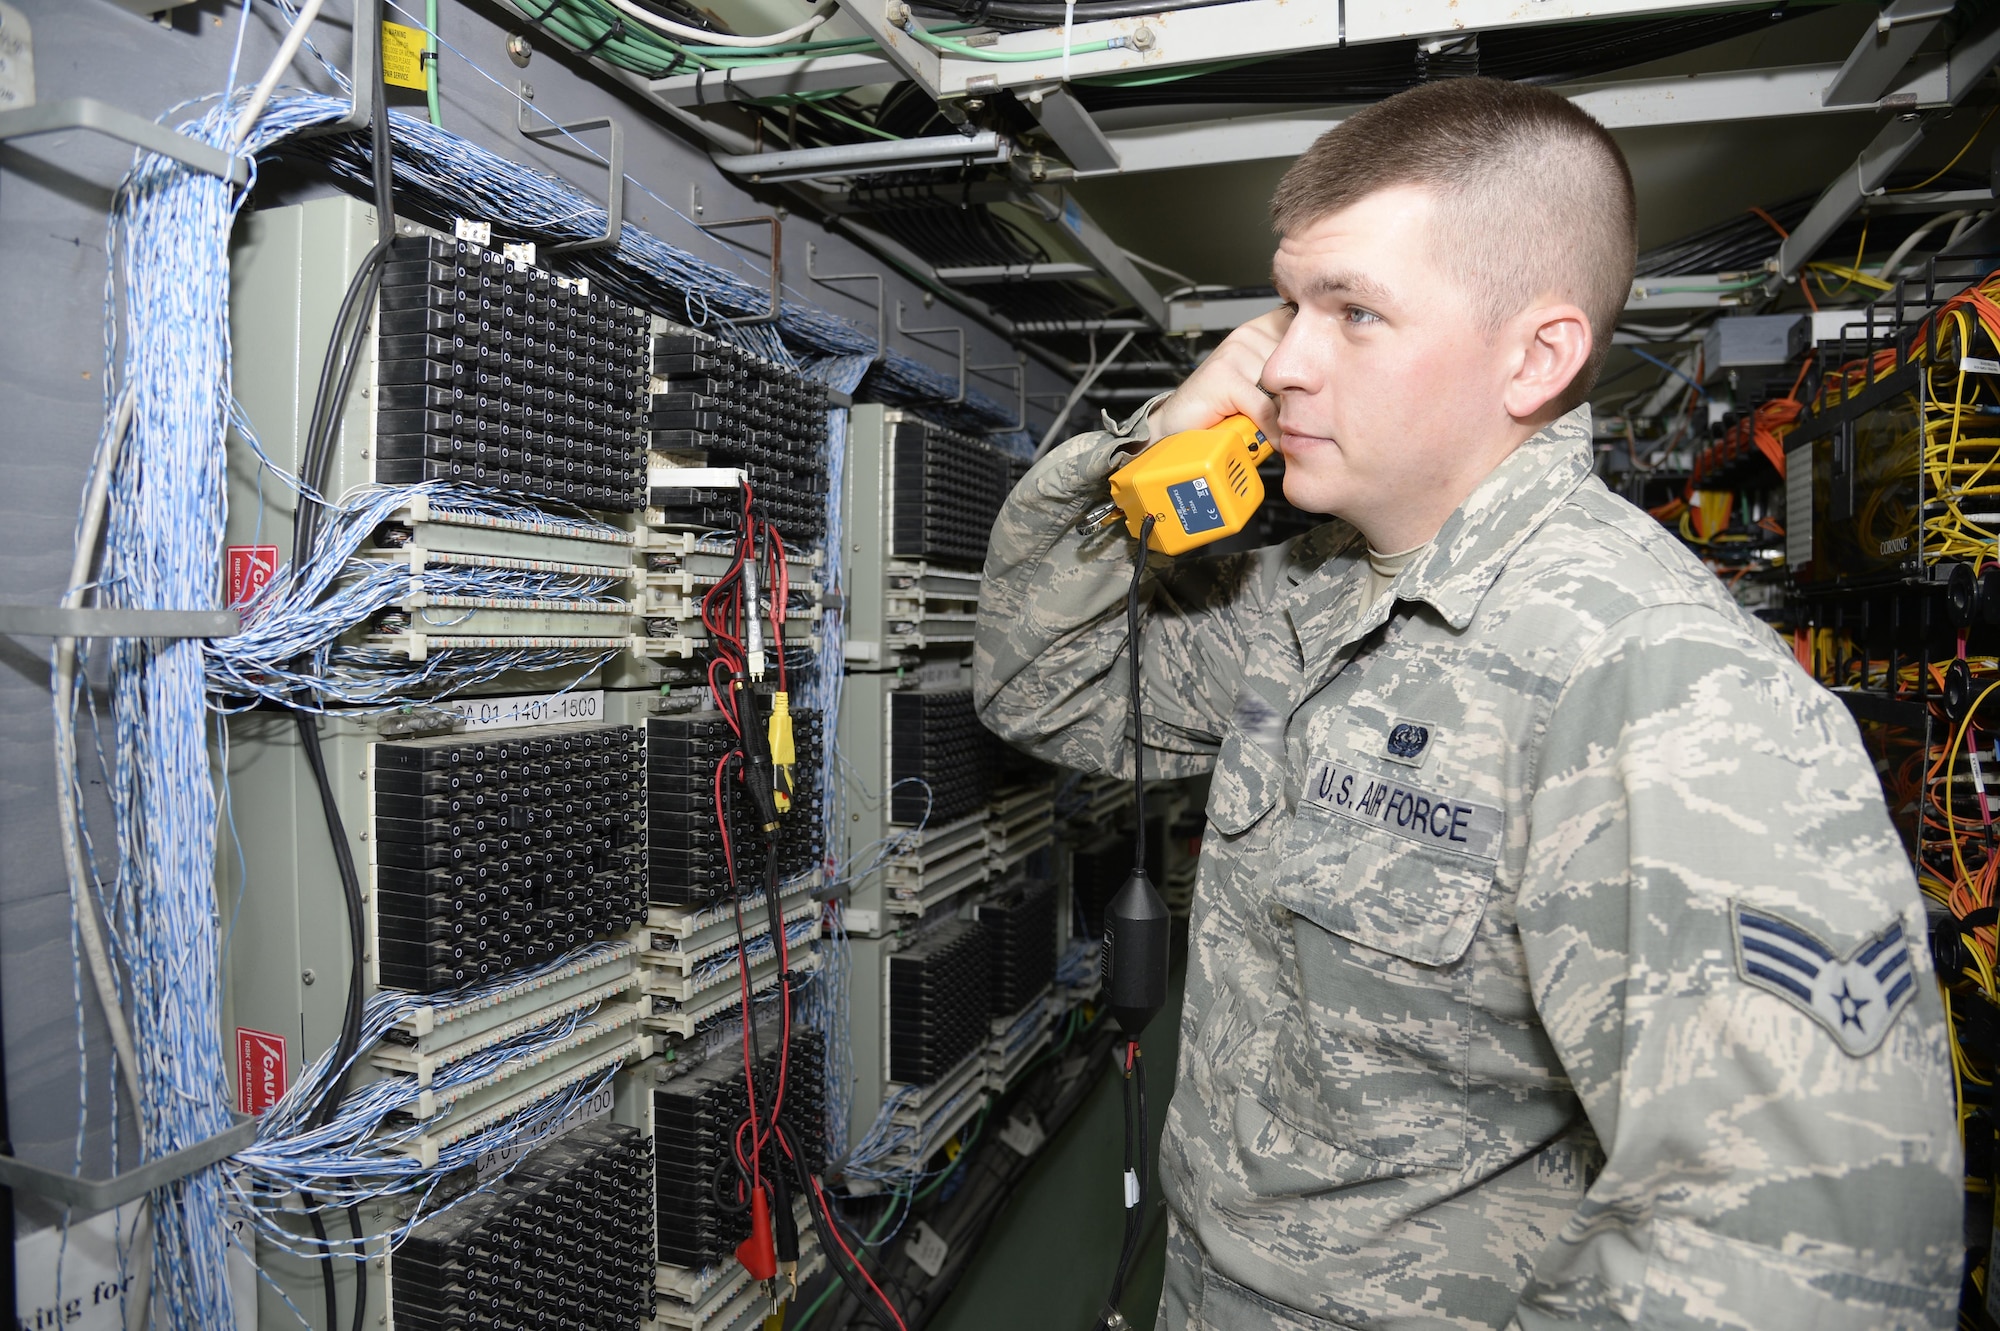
[{"x": 1554, "y": 961}]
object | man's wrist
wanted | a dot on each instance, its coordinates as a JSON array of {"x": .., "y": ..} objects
[{"x": 1136, "y": 432}]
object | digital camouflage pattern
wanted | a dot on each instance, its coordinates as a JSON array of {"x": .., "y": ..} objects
[{"x": 1472, "y": 1037}]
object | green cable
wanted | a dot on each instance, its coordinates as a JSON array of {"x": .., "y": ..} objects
[
  {"x": 800, "y": 98},
  {"x": 431, "y": 60},
  {"x": 1005, "y": 57},
  {"x": 835, "y": 1283},
  {"x": 1146, "y": 79},
  {"x": 593, "y": 26},
  {"x": 863, "y": 126},
  {"x": 752, "y": 54}
]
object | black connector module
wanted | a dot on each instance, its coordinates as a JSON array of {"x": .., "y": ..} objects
[
  {"x": 510, "y": 348},
  {"x": 685, "y": 864},
  {"x": 564, "y": 1240},
  {"x": 723, "y": 407},
  {"x": 542, "y": 856}
]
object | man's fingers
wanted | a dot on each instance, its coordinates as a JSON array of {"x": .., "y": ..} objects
[
  {"x": 1261, "y": 408},
  {"x": 1226, "y": 383}
]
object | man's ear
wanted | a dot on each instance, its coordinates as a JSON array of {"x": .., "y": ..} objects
[{"x": 1555, "y": 342}]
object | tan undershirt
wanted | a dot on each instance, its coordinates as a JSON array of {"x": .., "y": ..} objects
[{"x": 1382, "y": 569}]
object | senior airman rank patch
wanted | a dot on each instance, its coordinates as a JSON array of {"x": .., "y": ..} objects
[{"x": 1857, "y": 997}]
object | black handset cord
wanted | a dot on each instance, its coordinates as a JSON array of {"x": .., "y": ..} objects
[
  {"x": 1137, "y": 1135},
  {"x": 1138, "y": 716}
]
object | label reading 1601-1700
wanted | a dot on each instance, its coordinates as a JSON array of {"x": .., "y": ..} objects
[{"x": 529, "y": 709}]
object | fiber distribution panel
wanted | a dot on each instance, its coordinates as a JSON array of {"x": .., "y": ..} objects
[
  {"x": 695, "y": 1116},
  {"x": 938, "y": 997},
  {"x": 926, "y": 497},
  {"x": 941, "y": 760}
]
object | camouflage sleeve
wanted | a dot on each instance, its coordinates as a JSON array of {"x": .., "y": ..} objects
[
  {"x": 1727, "y": 948},
  {"x": 1049, "y": 664}
]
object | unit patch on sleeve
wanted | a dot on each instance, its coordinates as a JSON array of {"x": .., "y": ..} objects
[
  {"x": 1427, "y": 817},
  {"x": 1856, "y": 997}
]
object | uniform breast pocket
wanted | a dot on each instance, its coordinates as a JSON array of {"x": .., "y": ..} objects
[{"x": 1381, "y": 924}]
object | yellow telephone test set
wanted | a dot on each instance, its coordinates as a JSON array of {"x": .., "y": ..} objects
[{"x": 1198, "y": 486}]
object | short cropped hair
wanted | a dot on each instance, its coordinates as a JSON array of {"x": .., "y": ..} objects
[{"x": 1534, "y": 197}]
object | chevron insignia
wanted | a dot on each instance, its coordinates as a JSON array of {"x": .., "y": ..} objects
[{"x": 1856, "y": 997}]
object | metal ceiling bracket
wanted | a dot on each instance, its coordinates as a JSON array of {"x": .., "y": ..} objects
[
  {"x": 772, "y": 77},
  {"x": 771, "y": 315},
  {"x": 881, "y": 291},
  {"x": 1018, "y": 272},
  {"x": 1020, "y": 368},
  {"x": 1100, "y": 250},
  {"x": 955, "y": 330},
  {"x": 910, "y": 56},
  {"x": 614, "y": 193},
  {"x": 103, "y": 118},
  {"x": 50, "y": 621},
  {"x": 1966, "y": 65},
  {"x": 361, "y": 89},
  {"x": 1879, "y": 57},
  {"x": 930, "y": 152},
  {"x": 1075, "y": 133},
  {"x": 90, "y": 1196}
]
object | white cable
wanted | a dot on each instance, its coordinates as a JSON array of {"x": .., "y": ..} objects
[
  {"x": 1144, "y": 262},
  {"x": 1911, "y": 241},
  {"x": 1069, "y": 22},
  {"x": 80, "y": 896},
  {"x": 703, "y": 38},
  {"x": 279, "y": 64},
  {"x": 1082, "y": 386}
]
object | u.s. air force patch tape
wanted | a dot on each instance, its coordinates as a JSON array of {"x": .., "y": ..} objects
[
  {"x": 1857, "y": 997},
  {"x": 1428, "y": 817}
]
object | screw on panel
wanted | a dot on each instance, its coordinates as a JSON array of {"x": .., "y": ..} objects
[{"x": 519, "y": 51}]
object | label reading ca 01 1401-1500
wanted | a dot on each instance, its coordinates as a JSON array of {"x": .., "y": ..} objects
[{"x": 1428, "y": 817}]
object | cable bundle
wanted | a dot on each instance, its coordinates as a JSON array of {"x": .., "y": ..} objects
[
  {"x": 167, "y": 398},
  {"x": 357, "y": 1156},
  {"x": 291, "y": 650},
  {"x": 442, "y": 176}
]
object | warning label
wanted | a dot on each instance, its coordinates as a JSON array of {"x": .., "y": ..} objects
[
  {"x": 249, "y": 567},
  {"x": 260, "y": 1070}
]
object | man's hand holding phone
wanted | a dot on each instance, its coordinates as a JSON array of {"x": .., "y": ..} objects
[{"x": 1225, "y": 384}]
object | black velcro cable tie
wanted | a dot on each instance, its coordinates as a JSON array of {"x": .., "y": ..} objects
[
  {"x": 616, "y": 30},
  {"x": 539, "y": 19}
]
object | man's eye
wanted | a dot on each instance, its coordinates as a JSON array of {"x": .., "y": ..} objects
[{"x": 1357, "y": 315}]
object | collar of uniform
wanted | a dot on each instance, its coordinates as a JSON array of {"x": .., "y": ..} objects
[
  {"x": 1478, "y": 539},
  {"x": 1329, "y": 610}
]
